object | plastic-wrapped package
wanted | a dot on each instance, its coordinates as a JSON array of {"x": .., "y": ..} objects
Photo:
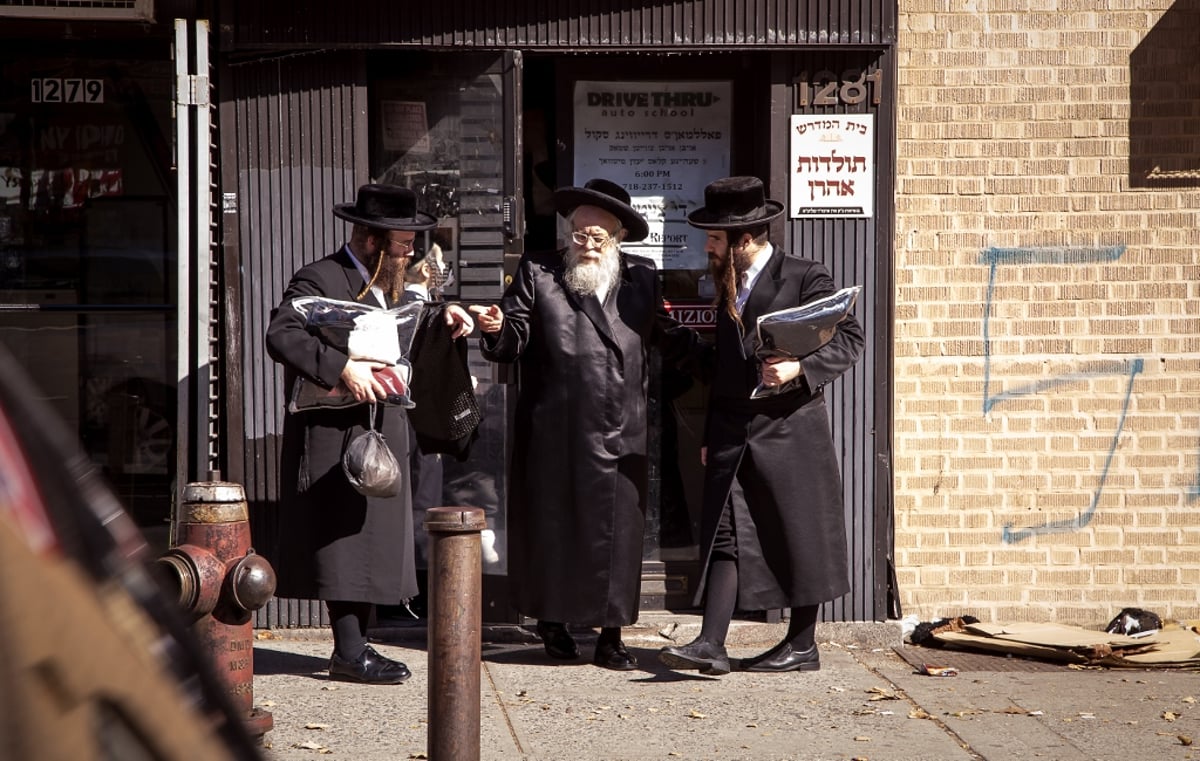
[
  {"x": 796, "y": 332},
  {"x": 366, "y": 333}
]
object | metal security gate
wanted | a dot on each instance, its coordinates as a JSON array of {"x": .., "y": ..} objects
[{"x": 295, "y": 143}]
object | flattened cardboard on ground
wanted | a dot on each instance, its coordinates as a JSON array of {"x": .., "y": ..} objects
[
  {"x": 1173, "y": 646},
  {"x": 965, "y": 641},
  {"x": 1057, "y": 635}
]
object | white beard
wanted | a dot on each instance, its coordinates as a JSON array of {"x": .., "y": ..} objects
[{"x": 588, "y": 278}]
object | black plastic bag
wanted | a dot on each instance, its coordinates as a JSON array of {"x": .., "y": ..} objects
[{"x": 370, "y": 466}]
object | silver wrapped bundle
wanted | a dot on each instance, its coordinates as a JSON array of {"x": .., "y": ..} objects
[{"x": 796, "y": 332}]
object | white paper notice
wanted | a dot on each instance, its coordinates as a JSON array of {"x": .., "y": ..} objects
[{"x": 833, "y": 166}]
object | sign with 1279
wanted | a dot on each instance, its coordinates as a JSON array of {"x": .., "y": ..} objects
[{"x": 66, "y": 90}]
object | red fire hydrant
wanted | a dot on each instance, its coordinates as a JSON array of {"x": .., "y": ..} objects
[{"x": 221, "y": 582}]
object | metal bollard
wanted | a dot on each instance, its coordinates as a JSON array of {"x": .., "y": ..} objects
[
  {"x": 219, "y": 581},
  {"x": 455, "y": 632}
]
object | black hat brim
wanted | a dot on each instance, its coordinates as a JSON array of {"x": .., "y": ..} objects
[
  {"x": 567, "y": 200},
  {"x": 417, "y": 223},
  {"x": 704, "y": 219}
]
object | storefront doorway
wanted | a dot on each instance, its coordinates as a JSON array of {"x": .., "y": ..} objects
[{"x": 87, "y": 254}]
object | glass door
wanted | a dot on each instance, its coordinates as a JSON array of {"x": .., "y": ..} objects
[
  {"x": 87, "y": 258},
  {"x": 447, "y": 126}
]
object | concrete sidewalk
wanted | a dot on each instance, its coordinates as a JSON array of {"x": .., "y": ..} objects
[{"x": 866, "y": 702}]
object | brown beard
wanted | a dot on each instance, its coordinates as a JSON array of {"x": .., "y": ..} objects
[{"x": 388, "y": 273}]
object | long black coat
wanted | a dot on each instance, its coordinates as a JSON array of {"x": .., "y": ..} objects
[
  {"x": 776, "y": 453},
  {"x": 577, "y": 497},
  {"x": 334, "y": 543}
]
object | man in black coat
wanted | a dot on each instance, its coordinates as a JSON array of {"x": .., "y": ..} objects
[
  {"x": 337, "y": 545},
  {"x": 578, "y": 323},
  {"x": 773, "y": 527}
]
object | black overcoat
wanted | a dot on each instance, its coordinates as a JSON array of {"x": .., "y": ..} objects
[
  {"x": 334, "y": 543},
  {"x": 577, "y": 496},
  {"x": 775, "y": 455}
]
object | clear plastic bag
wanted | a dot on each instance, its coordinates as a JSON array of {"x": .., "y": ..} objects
[
  {"x": 369, "y": 336},
  {"x": 367, "y": 332}
]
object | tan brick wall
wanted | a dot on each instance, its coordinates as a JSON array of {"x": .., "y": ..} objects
[{"x": 1047, "y": 372}]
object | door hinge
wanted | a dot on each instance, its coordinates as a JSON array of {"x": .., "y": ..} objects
[{"x": 192, "y": 90}]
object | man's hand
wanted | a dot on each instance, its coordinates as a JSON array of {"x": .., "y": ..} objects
[
  {"x": 777, "y": 371},
  {"x": 359, "y": 377},
  {"x": 457, "y": 316},
  {"x": 490, "y": 317}
]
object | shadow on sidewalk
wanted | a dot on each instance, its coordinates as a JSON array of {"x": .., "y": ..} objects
[
  {"x": 650, "y": 670},
  {"x": 268, "y": 662}
]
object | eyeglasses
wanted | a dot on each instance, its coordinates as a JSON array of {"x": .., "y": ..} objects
[
  {"x": 598, "y": 240},
  {"x": 403, "y": 245}
]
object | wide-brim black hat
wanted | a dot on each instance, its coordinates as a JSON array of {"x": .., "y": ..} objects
[
  {"x": 387, "y": 207},
  {"x": 606, "y": 195},
  {"x": 733, "y": 202}
]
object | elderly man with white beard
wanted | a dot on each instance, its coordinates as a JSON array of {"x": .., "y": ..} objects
[{"x": 579, "y": 324}]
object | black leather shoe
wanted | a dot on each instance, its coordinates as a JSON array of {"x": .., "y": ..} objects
[
  {"x": 558, "y": 641},
  {"x": 783, "y": 658},
  {"x": 613, "y": 655},
  {"x": 369, "y": 668},
  {"x": 709, "y": 658}
]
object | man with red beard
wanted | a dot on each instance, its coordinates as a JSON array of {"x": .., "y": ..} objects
[
  {"x": 772, "y": 523},
  {"x": 337, "y": 545},
  {"x": 578, "y": 323}
]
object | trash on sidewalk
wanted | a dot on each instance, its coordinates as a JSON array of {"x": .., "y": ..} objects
[
  {"x": 928, "y": 669},
  {"x": 1175, "y": 644}
]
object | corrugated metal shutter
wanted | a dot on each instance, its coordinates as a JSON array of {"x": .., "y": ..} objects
[
  {"x": 857, "y": 252},
  {"x": 301, "y": 134},
  {"x": 581, "y": 24}
]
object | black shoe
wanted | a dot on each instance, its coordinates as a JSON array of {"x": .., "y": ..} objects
[
  {"x": 558, "y": 641},
  {"x": 783, "y": 658},
  {"x": 709, "y": 658},
  {"x": 613, "y": 655},
  {"x": 369, "y": 668}
]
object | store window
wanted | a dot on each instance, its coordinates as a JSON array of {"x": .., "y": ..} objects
[{"x": 87, "y": 259}]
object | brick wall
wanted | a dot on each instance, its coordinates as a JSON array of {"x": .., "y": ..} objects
[{"x": 1047, "y": 373}]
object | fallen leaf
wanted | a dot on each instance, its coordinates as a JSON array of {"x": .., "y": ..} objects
[
  {"x": 752, "y": 724},
  {"x": 312, "y": 725},
  {"x": 878, "y": 693},
  {"x": 919, "y": 713},
  {"x": 1170, "y": 715},
  {"x": 862, "y": 739},
  {"x": 418, "y": 754},
  {"x": 694, "y": 714},
  {"x": 1189, "y": 699},
  {"x": 308, "y": 745},
  {"x": 1015, "y": 710},
  {"x": 1185, "y": 740}
]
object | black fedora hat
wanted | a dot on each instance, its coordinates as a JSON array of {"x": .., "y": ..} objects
[
  {"x": 388, "y": 207},
  {"x": 606, "y": 195},
  {"x": 733, "y": 202}
]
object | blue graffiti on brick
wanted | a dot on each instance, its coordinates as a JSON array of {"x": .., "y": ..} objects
[{"x": 994, "y": 258}]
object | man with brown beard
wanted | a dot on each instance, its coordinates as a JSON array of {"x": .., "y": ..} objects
[
  {"x": 337, "y": 545},
  {"x": 578, "y": 323},
  {"x": 772, "y": 522}
]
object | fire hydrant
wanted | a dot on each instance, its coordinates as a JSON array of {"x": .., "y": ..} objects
[{"x": 220, "y": 582}]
